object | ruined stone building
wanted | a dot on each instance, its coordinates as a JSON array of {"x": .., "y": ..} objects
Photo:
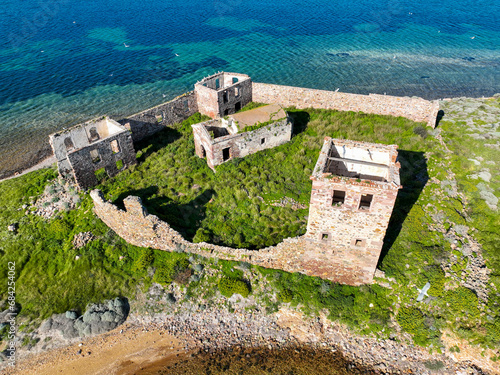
[
  {"x": 223, "y": 94},
  {"x": 354, "y": 189},
  {"x": 219, "y": 96},
  {"x": 223, "y": 139},
  {"x": 87, "y": 148}
]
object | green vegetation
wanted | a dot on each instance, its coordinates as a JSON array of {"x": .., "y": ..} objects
[
  {"x": 231, "y": 207},
  {"x": 229, "y": 286},
  {"x": 443, "y": 208}
]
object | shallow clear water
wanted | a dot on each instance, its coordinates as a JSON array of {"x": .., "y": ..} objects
[{"x": 64, "y": 61}]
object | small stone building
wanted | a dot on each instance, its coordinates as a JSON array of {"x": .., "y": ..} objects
[
  {"x": 354, "y": 188},
  {"x": 84, "y": 149},
  {"x": 221, "y": 140},
  {"x": 223, "y": 94}
]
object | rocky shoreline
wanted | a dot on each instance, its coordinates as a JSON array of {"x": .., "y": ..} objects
[{"x": 215, "y": 332}]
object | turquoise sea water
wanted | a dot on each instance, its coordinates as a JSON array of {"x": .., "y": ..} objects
[{"x": 65, "y": 61}]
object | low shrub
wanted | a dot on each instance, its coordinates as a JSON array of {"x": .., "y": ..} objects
[
  {"x": 285, "y": 296},
  {"x": 229, "y": 286},
  {"x": 145, "y": 259}
]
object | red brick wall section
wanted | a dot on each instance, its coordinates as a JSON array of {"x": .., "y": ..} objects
[{"x": 416, "y": 109}]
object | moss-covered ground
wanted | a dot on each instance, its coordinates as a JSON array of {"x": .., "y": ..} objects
[{"x": 443, "y": 226}]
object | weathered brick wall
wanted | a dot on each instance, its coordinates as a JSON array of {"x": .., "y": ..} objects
[
  {"x": 208, "y": 101},
  {"x": 416, "y": 109},
  {"x": 345, "y": 224},
  {"x": 84, "y": 167},
  {"x": 298, "y": 254},
  {"x": 354, "y": 235},
  {"x": 152, "y": 120},
  {"x": 238, "y": 94}
]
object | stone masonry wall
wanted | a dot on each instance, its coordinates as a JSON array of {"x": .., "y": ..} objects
[
  {"x": 211, "y": 101},
  {"x": 152, "y": 120},
  {"x": 242, "y": 144},
  {"x": 266, "y": 137},
  {"x": 339, "y": 227},
  {"x": 139, "y": 228},
  {"x": 84, "y": 167},
  {"x": 416, "y": 109}
]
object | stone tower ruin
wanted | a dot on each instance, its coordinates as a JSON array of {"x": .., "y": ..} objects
[{"x": 354, "y": 188}]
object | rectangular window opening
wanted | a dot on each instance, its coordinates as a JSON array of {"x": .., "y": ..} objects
[
  {"x": 69, "y": 144},
  {"x": 226, "y": 112},
  {"x": 237, "y": 92},
  {"x": 366, "y": 201},
  {"x": 186, "y": 106},
  {"x": 94, "y": 135},
  {"x": 262, "y": 141},
  {"x": 235, "y": 80},
  {"x": 338, "y": 198},
  {"x": 225, "y": 98},
  {"x": 217, "y": 84},
  {"x": 358, "y": 243},
  {"x": 225, "y": 154},
  {"x": 94, "y": 155},
  {"x": 237, "y": 106},
  {"x": 119, "y": 164},
  {"x": 115, "y": 147},
  {"x": 324, "y": 236}
]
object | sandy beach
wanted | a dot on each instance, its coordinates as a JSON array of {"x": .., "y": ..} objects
[{"x": 126, "y": 350}]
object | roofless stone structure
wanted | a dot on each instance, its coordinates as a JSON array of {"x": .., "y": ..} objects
[{"x": 355, "y": 185}]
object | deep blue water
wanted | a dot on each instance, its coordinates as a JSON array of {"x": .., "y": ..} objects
[{"x": 64, "y": 61}]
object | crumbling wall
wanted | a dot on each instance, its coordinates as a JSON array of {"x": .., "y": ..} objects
[
  {"x": 85, "y": 148},
  {"x": 152, "y": 120},
  {"x": 241, "y": 144},
  {"x": 225, "y": 98},
  {"x": 139, "y": 228},
  {"x": 416, "y": 109},
  {"x": 84, "y": 165},
  {"x": 352, "y": 235},
  {"x": 269, "y": 136}
]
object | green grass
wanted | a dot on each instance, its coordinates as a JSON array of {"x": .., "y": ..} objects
[{"x": 231, "y": 207}]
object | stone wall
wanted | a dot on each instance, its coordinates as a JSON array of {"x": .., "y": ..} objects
[
  {"x": 152, "y": 120},
  {"x": 139, "y": 228},
  {"x": 84, "y": 166},
  {"x": 85, "y": 148},
  {"x": 240, "y": 145},
  {"x": 219, "y": 96},
  {"x": 416, "y": 109}
]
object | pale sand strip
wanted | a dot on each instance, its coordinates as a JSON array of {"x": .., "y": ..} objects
[{"x": 134, "y": 350}]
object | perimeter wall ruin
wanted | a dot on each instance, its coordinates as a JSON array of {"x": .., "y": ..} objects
[
  {"x": 139, "y": 228},
  {"x": 416, "y": 109},
  {"x": 152, "y": 120}
]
